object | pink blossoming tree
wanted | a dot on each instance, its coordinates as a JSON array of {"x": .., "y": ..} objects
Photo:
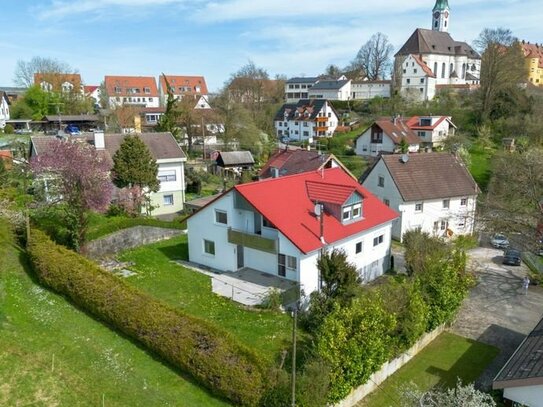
[{"x": 77, "y": 179}]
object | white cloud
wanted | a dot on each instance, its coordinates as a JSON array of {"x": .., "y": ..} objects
[{"x": 61, "y": 8}]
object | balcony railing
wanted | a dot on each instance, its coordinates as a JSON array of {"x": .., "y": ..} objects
[
  {"x": 252, "y": 241},
  {"x": 321, "y": 119},
  {"x": 321, "y": 128}
]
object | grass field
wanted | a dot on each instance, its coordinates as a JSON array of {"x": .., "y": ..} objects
[
  {"x": 447, "y": 358},
  {"x": 52, "y": 354},
  {"x": 266, "y": 331},
  {"x": 480, "y": 165}
]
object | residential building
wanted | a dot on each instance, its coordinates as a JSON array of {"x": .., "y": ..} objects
[
  {"x": 164, "y": 149},
  {"x": 59, "y": 82},
  {"x": 452, "y": 63},
  {"x": 387, "y": 136},
  {"x": 183, "y": 86},
  {"x": 139, "y": 91},
  {"x": 533, "y": 54},
  {"x": 93, "y": 92},
  {"x": 331, "y": 89},
  {"x": 234, "y": 161},
  {"x": 521, "y": 378},
  {"x": 306, "y": 119},
  {"x": 432, "y": 130},
  {"x": 297, "y": 88},
  {"x": 13, "y": 93},
  {"x": 4, "y": 109},
  {"x": 286, "y": 161},
  {"x": 432, "y": 191},
  {"x": 280, "y": 226},
  {"x": 365, "y": 90}
]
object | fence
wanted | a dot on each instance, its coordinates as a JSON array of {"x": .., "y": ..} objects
[{"x": 388, "y": 369}]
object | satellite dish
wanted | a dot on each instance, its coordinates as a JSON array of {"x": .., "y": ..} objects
[
  {"x": 404, "y": 158},
  {"x": 318, "y": 209}
]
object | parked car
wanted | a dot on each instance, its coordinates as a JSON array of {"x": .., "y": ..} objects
[
  {"x": 499, "y": 241},
  {"x": 72, "y": 130},
  {"x": 511, "y": 257},
  {"x": 285, "y": 139}
]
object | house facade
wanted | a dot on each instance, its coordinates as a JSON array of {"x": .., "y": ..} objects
[
  {"x": 59, "y": 82},
  {"x": 451, "y": 63},
  {"x": 137, "y": 91},
  {"x": 432, "y": 130},
  {"x": 272, "y": 226},
  {"x": 297, "y": 88},
  {"x": 4, "y": 109},
  {"x": 365, "y": 90},
  {"x": 306, "y": 119},
  {"x": 386, "y": 136},
  {"x": 286, "y": 161},
  {"x": 331, "y": 89},
  {"x": 164, "y": 149},
  {"x": 533, "y": 57},
  {"x": 183, "y": 86},
  {"x": 431, "y": 191}
]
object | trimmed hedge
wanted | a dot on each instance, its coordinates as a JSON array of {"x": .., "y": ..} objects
[{"x": 212, "y": 357}]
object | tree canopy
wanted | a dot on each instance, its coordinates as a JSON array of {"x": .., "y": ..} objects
[
  {"x": 133, "y": 165},
  {"x": 373, "y": 58}
]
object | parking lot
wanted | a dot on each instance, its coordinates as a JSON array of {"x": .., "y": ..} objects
[{"x": 497, "y": 311}]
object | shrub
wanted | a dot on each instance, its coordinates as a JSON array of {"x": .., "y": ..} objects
[
  {"x": 8, "y": 129},
  {"x": 210, "y": 356}
]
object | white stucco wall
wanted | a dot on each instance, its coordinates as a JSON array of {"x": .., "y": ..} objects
[
  {"x": 432, "y": 210},
  {"x": 344, "y": 93},
  {"x": 530, "y": 396},
  {"x": 369, "y": 90},
  {"x": 146, "y": 100},
  {"x": 4, "y": 112},
  {"x": 365, "y": 147}
]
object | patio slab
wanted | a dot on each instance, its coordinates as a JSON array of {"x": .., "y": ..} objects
[{"x": 246, "y": 286}]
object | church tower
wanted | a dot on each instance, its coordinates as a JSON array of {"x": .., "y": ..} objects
[{"x": 440, "y": 16}]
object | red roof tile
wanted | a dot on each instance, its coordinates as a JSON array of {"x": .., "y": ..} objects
[
  {"x": 182, "y": 85},
  {"x": 413, "y": 123},
  {"x": 137, "y": 83},
  {"x": 286, "y": 203},
  {"x": 423, "y": 65},
  {"x": 397, "y": 129}
]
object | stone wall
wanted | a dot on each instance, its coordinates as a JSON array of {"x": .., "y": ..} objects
[
  {"x": 388, "y": 369},
  {"x": 127, "y": 239}
]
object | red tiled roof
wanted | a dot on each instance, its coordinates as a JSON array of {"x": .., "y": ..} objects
[
  {"x": 413, "y": 123},
  {"x": 90, "y": 88},
  {"x": 533, "y": 51},
  {"x": 290, "y": 162},
  {"x": 286, "y": 203},
  {"x": 397, "y": 129},
  {"x": 423, "y": 65},
  {"x": 181, "y": 84},
  {"x": 57, "y": 79},
  {"x": 124, "y": 83}
]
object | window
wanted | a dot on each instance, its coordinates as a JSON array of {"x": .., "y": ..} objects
[
  {"x": 147, "y": 90},
  {"x": 446, "y": 203},
  {"x": 305, "y": 124},
  {"x": 435, "y": 69},
  {"x": 443, "y": 225},
  {"x": 285, "y": 263},
  {"x": 356, "y": 211},
  {"x": 266, "y": 223},
  {"x": 167, "y": 176},
  {"x": 421, "y": 80},
  {"x": 221, "y": 217},
  {"x": 358, "y": 248},
  {"x": 415, "y": 70},
  {"x": 150, "y": 99},
  {"x": 421, "y": 134},
  {"x": 436, "y": 226},
  {"x": 408, "y": 81},
  {"x": 443, "y": 68},
  {"x": 209, "y": 247},
  {"x": 280, "y": 124},
  {"x": 386, "y": 202},
  {"x": 378, "y": 240},
  {"x": 405, "y": 71},
  {"x": 117, "y": 89},
  {"x": 306, "y": 133},
  {"x": 347, "y": 213},
  {"x": 168, "y": 200},
  {"x": 461, "y": 222},
  {"x": 463, "y": 201},
  {"x": 381, "y": 181},
  {"x": 295, "y": 123}
]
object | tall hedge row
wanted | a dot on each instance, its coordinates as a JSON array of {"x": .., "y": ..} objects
[{"x": 209, "y": 355}]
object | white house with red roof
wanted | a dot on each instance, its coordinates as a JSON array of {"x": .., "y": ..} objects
[
  {"x": 386, "y": 135},
  {"x": 183, "y": 86},
  {"x": 93, "y": 92},
  {"x": 418, "y": 80},
  {"x": 138, "y": 91},
  {"x": 432, "y": 130},
  {"x": 274, "y": 226}
]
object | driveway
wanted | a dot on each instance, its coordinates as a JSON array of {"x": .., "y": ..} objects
[{"x": 497, "y": 311}]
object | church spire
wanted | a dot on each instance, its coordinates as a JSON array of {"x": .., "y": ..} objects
[{"x": 440, "y": 16}]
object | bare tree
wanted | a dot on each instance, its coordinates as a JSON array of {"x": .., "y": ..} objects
[
  {"x": 25, "y": 70},
  {"x": 333, "y": 71},
  {"x": 502, "y": 68},
  {"x": 374, "y": 57}
]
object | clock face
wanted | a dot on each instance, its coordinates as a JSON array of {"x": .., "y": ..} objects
[
  {"x": 436, "y": 14},
  {"x": 446, "y": 14}
]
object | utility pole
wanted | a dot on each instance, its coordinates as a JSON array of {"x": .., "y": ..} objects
[{"x": 294, "y": 323}]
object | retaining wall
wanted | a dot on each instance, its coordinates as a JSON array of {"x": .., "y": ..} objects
[
  {"x": 127, "y": 239},
  {"x": 388, "y": 369}
]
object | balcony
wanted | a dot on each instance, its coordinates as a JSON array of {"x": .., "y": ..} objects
[
  {"x": 252, "y": 241},
  {"x": 321, "y": 119},
  {"x": 321, "y": 128}
]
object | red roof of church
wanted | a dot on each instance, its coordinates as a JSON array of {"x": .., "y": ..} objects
[{"x": 288, "y": 202}]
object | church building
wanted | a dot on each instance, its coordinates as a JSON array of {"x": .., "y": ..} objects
[{"x": 431, "y": 59}]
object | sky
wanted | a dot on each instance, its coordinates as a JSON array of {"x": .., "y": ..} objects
[{"x": 215, "y": 38}]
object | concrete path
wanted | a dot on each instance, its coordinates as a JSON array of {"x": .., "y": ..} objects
[{"x": 497, "y": 312}]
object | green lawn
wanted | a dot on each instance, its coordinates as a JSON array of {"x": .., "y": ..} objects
[
  {"x": 447, "y": 358},
  {"x": 52, "y": 354},
  {"x": 480, "y": 165},
  {"x": 266, "y": 331}
]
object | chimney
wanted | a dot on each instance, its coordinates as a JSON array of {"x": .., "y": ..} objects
[{"x": 99, "y": 142}]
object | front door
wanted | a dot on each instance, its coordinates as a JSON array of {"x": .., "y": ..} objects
[{"x": 241, "y": 257}]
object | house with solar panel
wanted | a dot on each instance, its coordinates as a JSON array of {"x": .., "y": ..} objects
[{"x": 280, "y": 226}]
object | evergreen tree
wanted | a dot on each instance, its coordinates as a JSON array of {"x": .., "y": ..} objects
[
  {"x": 133, "y": 165},
  {"x": 170, "y": 118}
]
